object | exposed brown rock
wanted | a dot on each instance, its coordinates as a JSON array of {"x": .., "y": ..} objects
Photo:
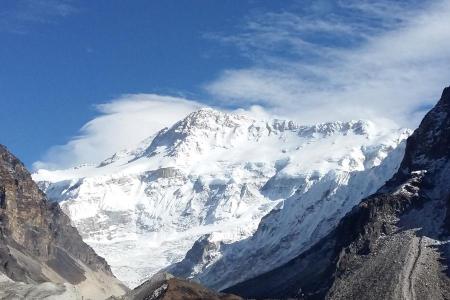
[
  {"x": 37, "y": 241},
  {"x": 164, "y": 286}
]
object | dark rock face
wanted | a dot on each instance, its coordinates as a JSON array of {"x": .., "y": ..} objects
[
  {"x": 164, "y": 286},
  {"x": 37, "y": 242},
  {"x": 393, "y": 245}
]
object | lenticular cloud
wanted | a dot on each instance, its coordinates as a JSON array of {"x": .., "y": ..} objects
[{"x": 121, "y": 123}]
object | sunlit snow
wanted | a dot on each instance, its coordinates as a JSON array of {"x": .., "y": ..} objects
[{"x": 143, "y": 208}]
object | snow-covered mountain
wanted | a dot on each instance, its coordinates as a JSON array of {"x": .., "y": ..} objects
[
  {"x": 395, "y": 244},
  {"x": 222, "y": 197}
]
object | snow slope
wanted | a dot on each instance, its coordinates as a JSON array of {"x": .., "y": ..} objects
[{"x": 211, "y": 178}]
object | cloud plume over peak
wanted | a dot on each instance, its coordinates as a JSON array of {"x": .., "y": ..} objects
[
  {"x": 384, "y": 60},
  {"x": 360, "y": 59},
  {"x": 121, "y": 123}
]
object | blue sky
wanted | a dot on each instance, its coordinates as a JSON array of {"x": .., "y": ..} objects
[
  {"x": 55, "y": 67},
  {"x": 306, "y": 60}
]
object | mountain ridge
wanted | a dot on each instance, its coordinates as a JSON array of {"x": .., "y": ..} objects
[
  {"x": 218, "y": 174},
  {"x": 39, "y": 246},
  {"x": 393, "y": 245}
]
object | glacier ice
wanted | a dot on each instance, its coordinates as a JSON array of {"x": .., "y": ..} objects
[{"x": 250, "y": 194}]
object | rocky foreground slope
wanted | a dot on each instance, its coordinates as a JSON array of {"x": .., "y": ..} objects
[
  {"x": 164, "y": 286},
  {"x": 41, "y": 254},
  {"x": 221, "y": 197},
  {"x": 393, "y": 245}
]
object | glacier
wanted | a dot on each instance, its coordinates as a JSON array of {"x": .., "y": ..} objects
[{"x": 221, "y": 197}]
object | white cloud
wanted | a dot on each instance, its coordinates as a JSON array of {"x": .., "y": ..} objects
[
  {"x": 384, "y": 61},
  {"x": 397, "y": 62},
  {"x": 122, "y": 122},
  {"x": 17, "y": 18}
]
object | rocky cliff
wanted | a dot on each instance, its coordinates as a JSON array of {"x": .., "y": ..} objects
[
  {"x": 38, "y": 245},
  {"x": 393, "y": 245}
]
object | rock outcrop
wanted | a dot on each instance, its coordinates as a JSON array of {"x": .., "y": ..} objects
[
  {"x": 393, "y": 245},
  {"x": 38, "y": 246},
  {"x": 164, "y": 286}
]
